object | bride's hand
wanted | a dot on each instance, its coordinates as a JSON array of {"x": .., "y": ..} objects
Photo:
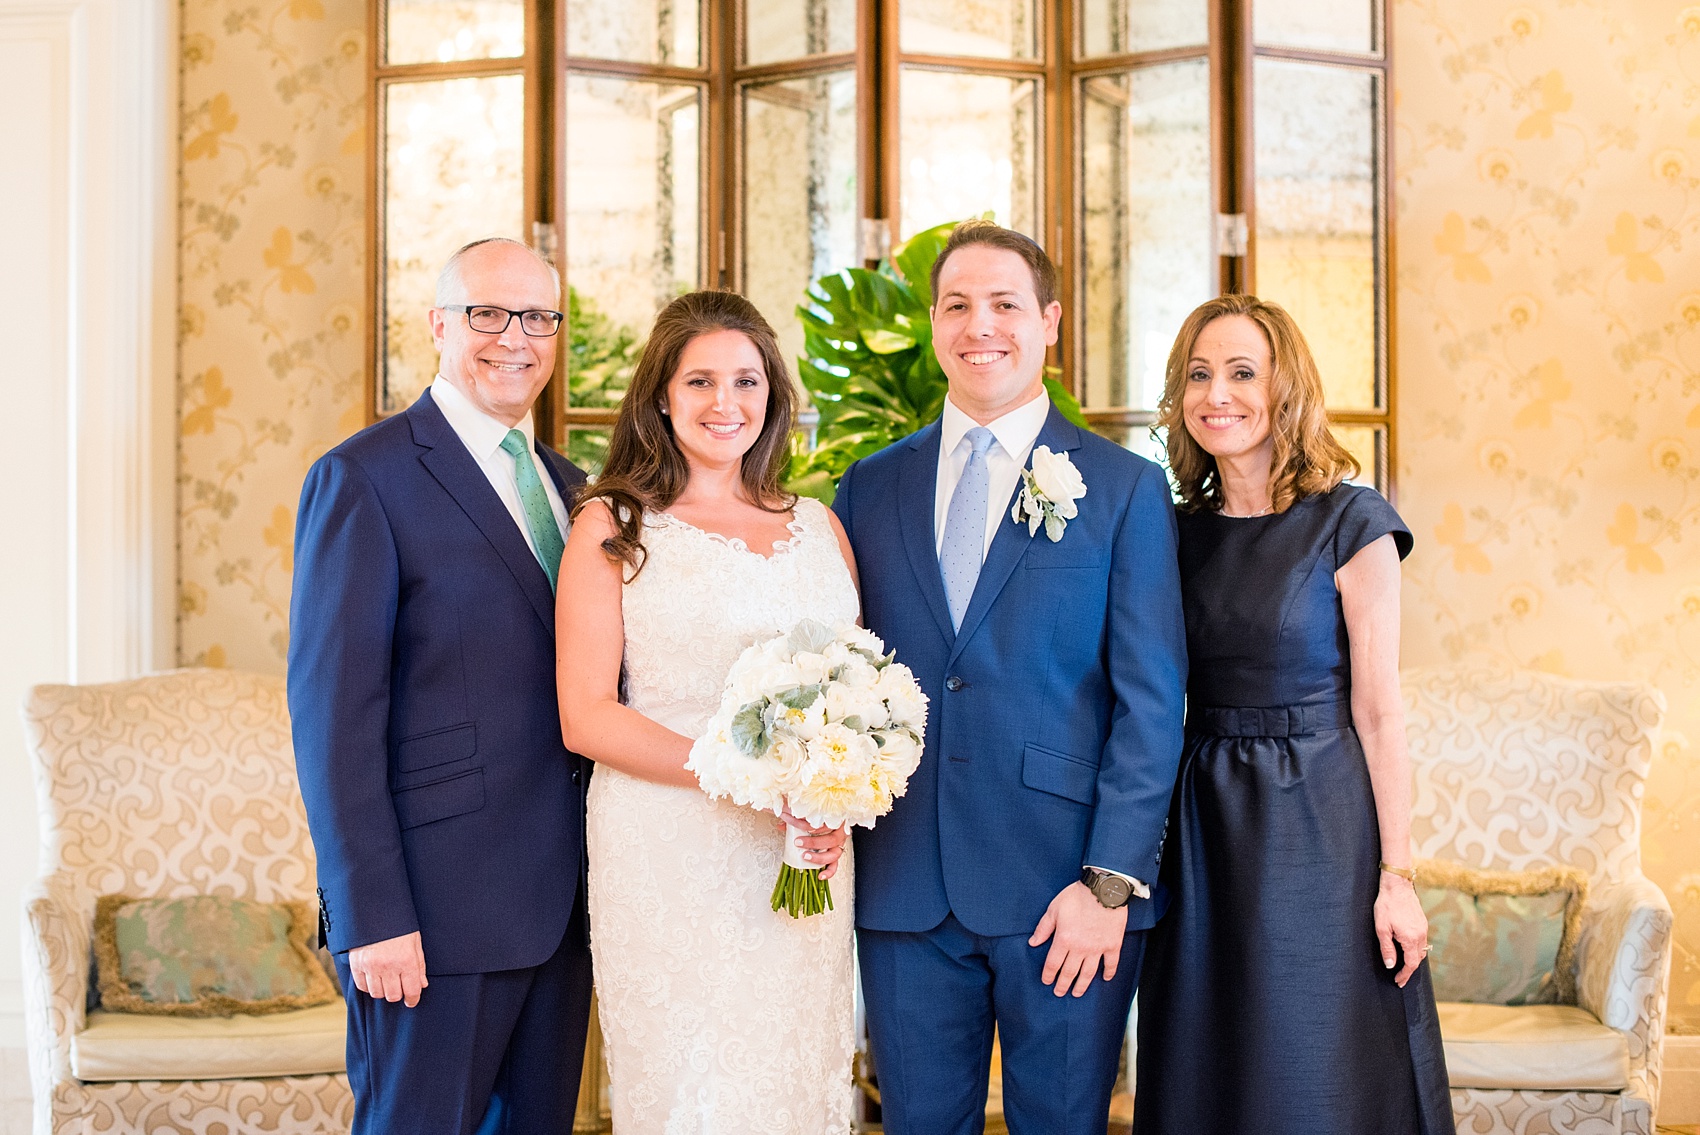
[{"x": 823, "y": 846}]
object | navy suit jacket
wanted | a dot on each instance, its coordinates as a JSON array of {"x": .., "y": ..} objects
[
  {"x": 1054, "y": 734},
  {"x": 422, "y": 693}
]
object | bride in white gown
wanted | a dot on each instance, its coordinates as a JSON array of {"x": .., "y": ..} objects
[{"x": 719, "y": 1015}]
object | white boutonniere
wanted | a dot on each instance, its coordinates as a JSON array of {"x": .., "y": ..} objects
[{"x": 1049, "y": 489}]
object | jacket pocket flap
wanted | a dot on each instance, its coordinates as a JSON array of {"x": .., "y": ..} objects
[
  {"x": 456, "y": 743},
  {"x": 1060, "y": 775},
  {"x": 432, "y": 802}
]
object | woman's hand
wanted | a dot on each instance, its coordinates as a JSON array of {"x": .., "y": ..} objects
[
  {"x": 1399, "y": 918},
  {"x": 823, "y": 847}
]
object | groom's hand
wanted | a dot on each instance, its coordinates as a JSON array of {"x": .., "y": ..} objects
[
  {"x": 1085, "y": 934},
  {"x": 393, "y": 969}
]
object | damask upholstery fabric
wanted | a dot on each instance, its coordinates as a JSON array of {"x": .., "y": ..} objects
[
  {"x": 172, "y": 785},
  {"x": 1531, "y": 1046},
  {"x": 1502, "y": 937},
  {"x": 134, "y": 1046},
  {"x": 207, "y": 956},
  {"x": 1516, "y": 771}
]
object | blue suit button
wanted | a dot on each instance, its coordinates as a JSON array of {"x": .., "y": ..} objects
[
  {"x": 575, "y": 776},
  {"x": 953, "y": 683}
]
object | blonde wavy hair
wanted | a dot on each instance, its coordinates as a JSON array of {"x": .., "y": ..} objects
[{"x": 1307, "y": 459}]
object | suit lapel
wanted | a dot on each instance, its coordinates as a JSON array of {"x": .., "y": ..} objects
[
  {"x": 1059, "y": 434},
  {"x": 446, "y": 458},
  {"x": 915, "y": 518}
]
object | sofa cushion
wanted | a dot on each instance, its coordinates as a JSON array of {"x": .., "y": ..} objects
[
  {"x": 131, "y": 1046},
  {"x": 1553, "y": 1047},
  {"x": 1502, "y": 937}
]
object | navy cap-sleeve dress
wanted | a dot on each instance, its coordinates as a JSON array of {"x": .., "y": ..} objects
[{"x": 1264, "y": 1005}]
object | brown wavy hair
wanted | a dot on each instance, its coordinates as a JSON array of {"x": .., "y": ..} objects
[
  {"x": 1307, "y": 459},
  {"x": 645, "y": 470}
]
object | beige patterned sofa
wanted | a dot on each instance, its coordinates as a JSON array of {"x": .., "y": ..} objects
[
  {"x": 1520, "y": 770},
  {"x": 182, "y": 783}
]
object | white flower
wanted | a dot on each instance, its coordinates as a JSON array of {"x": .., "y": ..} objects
[
  {"x": 1055, "y": 479},
  {"x": 1049, "y": 490},
  {"x": 801, "y": 723},
  {"x": 809, "y": 669},
  {"x": 863, "y": 703},
  {"x": 903, "y": 696}
]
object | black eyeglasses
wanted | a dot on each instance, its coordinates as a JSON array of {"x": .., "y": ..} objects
[{"x": 494, "y": 320}]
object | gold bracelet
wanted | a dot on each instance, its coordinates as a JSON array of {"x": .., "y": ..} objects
[{"x": 1409, "y": 874}]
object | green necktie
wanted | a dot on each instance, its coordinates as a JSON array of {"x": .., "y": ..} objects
[{"x": 539, "y": 517}]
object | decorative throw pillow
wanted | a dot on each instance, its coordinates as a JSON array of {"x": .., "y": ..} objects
[
  {"x": 207, "y": 956},
  {"x": 1502, "y": 937}
]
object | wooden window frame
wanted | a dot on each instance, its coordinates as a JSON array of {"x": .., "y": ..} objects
[{"x": 878, "y": 62}]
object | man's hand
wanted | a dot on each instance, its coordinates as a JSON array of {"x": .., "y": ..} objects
[
  {"x": 823, "y": 846},
  {"x": 1085, "y": 934},
  {"x": 393, "y": 969}
]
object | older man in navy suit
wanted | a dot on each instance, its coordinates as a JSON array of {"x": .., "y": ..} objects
[
  {"x": 1013, "y": 884},
  {"x": 447, "y": 815}
]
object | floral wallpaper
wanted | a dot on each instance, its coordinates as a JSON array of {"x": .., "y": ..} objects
[
  {"x": 1548, "y": 221},
  {"x": 1548, "y": 197},
  {"x": 272, "y": 327}
]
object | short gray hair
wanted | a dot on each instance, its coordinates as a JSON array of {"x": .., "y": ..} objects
[{"x": 450, "y": 286}]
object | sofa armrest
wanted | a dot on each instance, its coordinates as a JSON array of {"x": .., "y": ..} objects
[
  {"x": 56, "y": 935},
  {"x": 1623, "y": 968}
]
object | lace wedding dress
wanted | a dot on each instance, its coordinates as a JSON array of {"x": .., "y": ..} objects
[{"x": 719, "y": 1016}]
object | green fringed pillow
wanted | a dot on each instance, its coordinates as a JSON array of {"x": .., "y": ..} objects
[
  {"x": 1502, "y": 937},
  {"x": 207, "y": 956}
]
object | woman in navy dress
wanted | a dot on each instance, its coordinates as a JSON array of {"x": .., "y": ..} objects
[{"x": 1285, "y": 991}]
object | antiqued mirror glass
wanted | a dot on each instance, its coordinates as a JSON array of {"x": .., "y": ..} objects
[
  {"x": 968, "y": 144},
  {"x": 989, "y": 29},
  {"x": 636, "y": 31},
  {"x": 1318, "y": 216},
  {"x": 442, "y": 31},
  {"x": 794, "y": 29},
  {"x": 453, "y": 157},
  {"x": 633, "y": 232},
  {"x": 1329, "y": 25},
  {"x": 1112, "y": 27},
  {"x": 1146, "y": 259},
  {"x": 1369, "y": 445},
  {"x": 799, "y": 192}
]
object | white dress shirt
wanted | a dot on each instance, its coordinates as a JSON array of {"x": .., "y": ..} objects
[
  {"x": 1016, "y": 432},
  {"x": 482, "y": 435}
]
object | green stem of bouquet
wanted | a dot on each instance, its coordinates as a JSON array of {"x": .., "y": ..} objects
[{"x": 801, "y": 893}]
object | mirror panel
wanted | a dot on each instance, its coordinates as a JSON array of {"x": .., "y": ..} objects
[
  {"x": 1318, "y": 217},
  {"x": 453, "y": 172},
  {"x": 636, "y": 31},
  {"x": 442, "y": 31},
  {"x": 800, "y": 204},
  {"x": 987, "y": 29},
  {"x": 968, "y": 144},
  {"x": 795, "y": 29},
  {"x": 633, "y": 231},
  {"x": 1112, "y": 27},
  {"x": 1326, "y": 25},
  {"x": 1145, "y": 241}
]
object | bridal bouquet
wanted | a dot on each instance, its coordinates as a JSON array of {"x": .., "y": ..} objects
[{"x": 820, "y": 719}]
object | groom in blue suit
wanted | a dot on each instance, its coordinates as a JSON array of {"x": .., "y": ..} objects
[
  {"x": 447, "y": 815},
  {"x": 1013, "y": 885}
]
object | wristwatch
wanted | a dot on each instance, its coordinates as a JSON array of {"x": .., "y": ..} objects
[{"x": 1111, "y": 891}]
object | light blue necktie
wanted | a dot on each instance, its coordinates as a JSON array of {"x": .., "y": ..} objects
[
  {"x": 964, "y": 544},
  {"x": 534, "y": 502}
]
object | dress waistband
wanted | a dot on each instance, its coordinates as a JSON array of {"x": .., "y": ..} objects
[{"x": 1271, "y": 721}]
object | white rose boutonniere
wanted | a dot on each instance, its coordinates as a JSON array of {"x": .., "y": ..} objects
[{"x": 1049, "y": 488}]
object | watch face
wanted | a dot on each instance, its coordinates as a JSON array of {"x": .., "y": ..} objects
[{"x": 1113, "y": 890}]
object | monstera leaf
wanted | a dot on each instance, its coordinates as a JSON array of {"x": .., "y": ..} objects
[{"x": 868, "y": 362}]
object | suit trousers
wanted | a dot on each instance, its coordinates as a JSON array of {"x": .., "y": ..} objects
[
  {"x": 933, "y": 999},
  {"x": 486, "y": 1053}
]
